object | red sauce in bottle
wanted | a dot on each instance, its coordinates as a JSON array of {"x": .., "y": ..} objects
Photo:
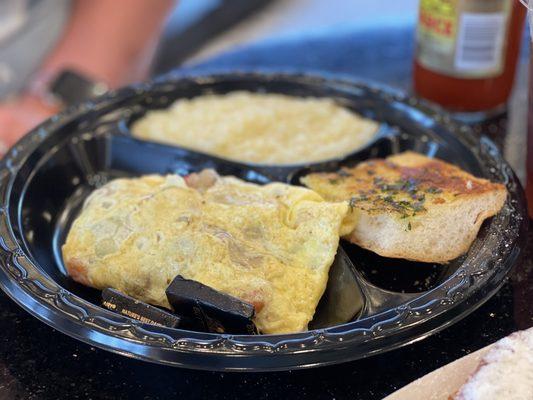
[{"x": 466, "y": 91}]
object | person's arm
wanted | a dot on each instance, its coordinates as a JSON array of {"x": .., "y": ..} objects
[{"x": 107, "y": 40}]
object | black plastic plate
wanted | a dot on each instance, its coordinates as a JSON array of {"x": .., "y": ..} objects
[{"x": 388, "y": 303}]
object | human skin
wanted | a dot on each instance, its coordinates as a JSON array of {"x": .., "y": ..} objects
[{"x": 110, "y": 41}]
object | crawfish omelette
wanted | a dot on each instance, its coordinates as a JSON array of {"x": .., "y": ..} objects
[
  {"x": 411, "y": 206},
  {"x": 261, "y": 128},
  {"x": 271, "y": 246}
]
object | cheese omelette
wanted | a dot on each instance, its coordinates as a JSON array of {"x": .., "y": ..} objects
[
  {"x": 259, "y": 128},
  {"x": 270, "y": 245}
]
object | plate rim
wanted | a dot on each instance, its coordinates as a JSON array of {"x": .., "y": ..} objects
[{"x": 227, "y": 351}]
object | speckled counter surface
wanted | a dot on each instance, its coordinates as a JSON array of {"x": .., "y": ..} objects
[{"x": 37, "y": 362}]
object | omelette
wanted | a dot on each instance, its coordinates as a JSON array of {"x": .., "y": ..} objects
[
  {"x": 271, "y": 246},
  {"x": 262, "y": 128},
  {"x": 411, "y": 206}
]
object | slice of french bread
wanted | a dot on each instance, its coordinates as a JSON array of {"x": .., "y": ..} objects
[{"x": 411, "y": 206}]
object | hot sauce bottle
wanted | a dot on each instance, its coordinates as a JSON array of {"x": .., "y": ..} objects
[{"x": 467, "y": 52}]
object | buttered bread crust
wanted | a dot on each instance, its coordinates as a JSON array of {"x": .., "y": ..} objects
[
  {"x": 268, "y": 245},
  {"x": 411, "y": 206},
  {"x": 263, "y": 128}
]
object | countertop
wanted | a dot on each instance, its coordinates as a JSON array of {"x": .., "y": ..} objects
[{"x": 37, "y": 362}]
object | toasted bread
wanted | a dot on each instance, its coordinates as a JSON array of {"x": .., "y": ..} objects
[{"x": 411, "y": 206}]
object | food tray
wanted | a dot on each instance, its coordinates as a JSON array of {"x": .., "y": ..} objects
[{"x": 46, "y": 176}]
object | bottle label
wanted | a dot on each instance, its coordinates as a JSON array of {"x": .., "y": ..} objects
[{"x": 463, "y": 38}]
